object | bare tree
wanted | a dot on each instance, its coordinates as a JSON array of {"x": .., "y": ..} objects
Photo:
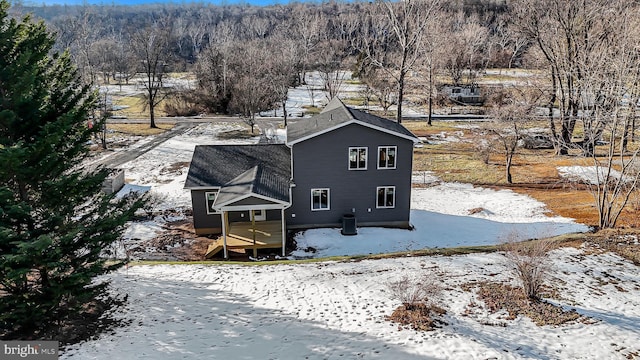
[
  {"x": 100, "y": 115},
  {"x": 615, "y": 174},
  {"x": 308, "y": 27},
  {"x": 213, "y": 69},
  {"x": 256, "y": 27},
  {"x": 572, "y": 36},
  {"x": 251, "y": 91},
  {"x": 124, "y": 59},
  {"x": 102, "y": 53},
  {"x": 382, "y": 87},
  {"x": 329, "y": 64},
  {"x": 196, "y": 32},
  {"x": 608, "y": 89},
  {"x": 434, "y": 43},
  {"x": 510, "y": 112},
  {"x": 151, "y": 46},
  {"x": 283, "y": 70},
  {"x": 393, "y": 37},
  {"x": 81, "y": 35},
  {"x": 466, "y": 39},
  {"x": 511, "y": 42}
]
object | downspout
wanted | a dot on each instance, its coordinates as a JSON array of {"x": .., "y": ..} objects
[
  {"x": 253, "y": 231},
  {"x": 284, "y": 220}
]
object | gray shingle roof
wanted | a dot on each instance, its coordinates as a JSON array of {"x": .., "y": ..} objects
[
  {"x": 242, "y": 169},
  {"x": 336, "y": 114}
]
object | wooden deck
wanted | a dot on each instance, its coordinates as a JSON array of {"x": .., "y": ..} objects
[{"x": 268, "y": 235}]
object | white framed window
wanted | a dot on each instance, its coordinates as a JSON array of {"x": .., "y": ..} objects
[
  {"x": 358, "y": 158},
  {"x": 387, "y": 157},
  {"x": 211, "y": 197},
  {"x": 385, "y": 197},
  {"x": 320, "y": 199}
]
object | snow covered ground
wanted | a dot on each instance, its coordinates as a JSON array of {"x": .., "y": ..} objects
[
  {"x": 164, "y": 169},
  {"x": 336, "y": 310},
  {"x": 444, "y": 215},
  {"x": 588, "y": 174}
]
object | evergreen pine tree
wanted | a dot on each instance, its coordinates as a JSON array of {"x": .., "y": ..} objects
[{"x": 54, "y": 220}]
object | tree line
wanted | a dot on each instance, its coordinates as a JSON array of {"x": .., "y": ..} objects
[
  {"x": 245, "y": 58},
  {"x": 238, "y": 50}
]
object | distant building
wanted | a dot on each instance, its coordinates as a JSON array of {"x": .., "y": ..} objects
[{"x": 467, "y": 94}]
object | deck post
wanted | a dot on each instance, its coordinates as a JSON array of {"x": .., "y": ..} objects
[
  {"x": 284, "y": 232},
  {"x": 224, "y": 233},
  {"x": 253, "y": 231}
]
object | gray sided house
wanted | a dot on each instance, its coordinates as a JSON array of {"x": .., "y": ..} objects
[
  {"x": 346, "y": 161},
  {"x": 237, "y": 179},
  {"x": 340, "y": 162}
]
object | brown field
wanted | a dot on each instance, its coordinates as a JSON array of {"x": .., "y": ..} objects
[{"x": 455, "y": 156}]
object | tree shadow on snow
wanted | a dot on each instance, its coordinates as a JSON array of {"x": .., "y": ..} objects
[{"x": 194, "y": 320}]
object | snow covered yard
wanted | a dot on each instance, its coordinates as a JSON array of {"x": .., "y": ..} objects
[
  {"x": 336, "y": 310},
  {"x": 446, "y": 215}
]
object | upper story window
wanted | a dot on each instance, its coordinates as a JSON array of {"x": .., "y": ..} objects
[
  {"x": 211, "y": 197},
  {"x": 387, "y": 157},
  {"x": 386, "y": 197},
  {"x": 357, "y": 158},
  {"x": 319, "y": 199}
]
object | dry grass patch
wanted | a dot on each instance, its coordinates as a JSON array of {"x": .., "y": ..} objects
[
  {"x": 311, "y": 110},
  {"x": 239, "y": 134},
  {"x": 420, "y": 128},
  {"x": 136, "y": 107},
  {"x": 420, "y": 317},
  {"x": 502, "y": 297},
  {"x": 624, "y": 242},
  {"x": 535, "y": 172},
  {"x": 140, "y": 129},
  {"x": 566, "y": 202},
  {"x": 457, "y": 166}
]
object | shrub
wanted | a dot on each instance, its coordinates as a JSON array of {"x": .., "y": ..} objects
[
  {"x": 412, "y": 292},
  {"x": 530, "y": 263},
  {"x": 419, "y": 297}
]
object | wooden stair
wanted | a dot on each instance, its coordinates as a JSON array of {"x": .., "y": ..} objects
[
  {"x": 213, "y": 249},
  {"x": 240, "y": 239},
  {"x": 235, "y": 243}
]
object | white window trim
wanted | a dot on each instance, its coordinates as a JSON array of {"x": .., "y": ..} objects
[
  {"x": 206, "y": 201},
  {"x": 394, "y": 197},
  {"x": 328, "y": 199},
  {"x": 395, "y": 160},
  {"x": 366, "y": 158}
]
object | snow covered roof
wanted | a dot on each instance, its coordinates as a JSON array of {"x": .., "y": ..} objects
[
  {"x": 238, "y": 170},
  {"x": 335, "y": 115}
]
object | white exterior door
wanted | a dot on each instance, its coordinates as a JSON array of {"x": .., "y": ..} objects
[{"x": 259, "y": 215}]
